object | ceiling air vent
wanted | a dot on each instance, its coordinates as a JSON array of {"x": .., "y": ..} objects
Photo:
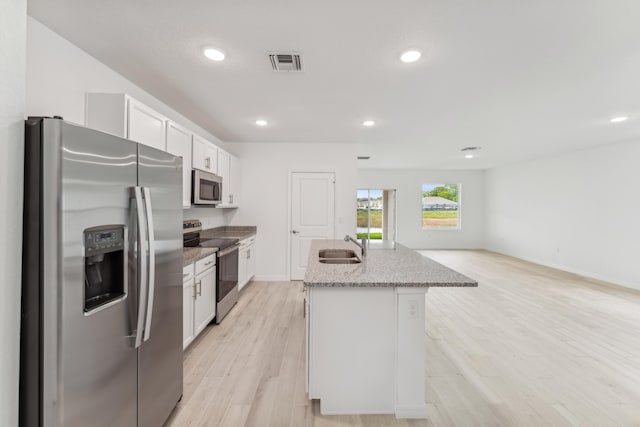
[{"x": 286, "y": 61}]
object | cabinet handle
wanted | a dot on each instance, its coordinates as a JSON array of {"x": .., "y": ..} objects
[
  {"x": 185, "y": 274},
  {"x": 198, "y": 288},
  {"x": 195, "y": 290},
  {"x": 208, "y": 263},
  {"x": 248, "y": 253},
  {"x": 208, "y": 163},
  {"x": 231, "y": 198}
]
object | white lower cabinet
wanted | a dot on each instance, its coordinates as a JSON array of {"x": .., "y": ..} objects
[
  {"x": 366, "y": 350},
  {"x": 246, "y": 261},
  {"x": 188, "y": 301},
  {"x": 198, "y": 297},
  {"x": 205, "y": 307}
]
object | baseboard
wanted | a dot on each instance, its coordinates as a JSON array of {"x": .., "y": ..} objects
[
  {"x": 267, "y": 278},
  {"x": 587, "y": 274},
  {"x": 354, "y": 411},
  {"x": 411, "y": 411}
]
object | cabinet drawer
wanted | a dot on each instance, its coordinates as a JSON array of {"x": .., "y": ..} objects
[
  {"x": 247, "y": 242},
  {"x": 187, "y": 273},
  {"x": 205, "y": 263}
]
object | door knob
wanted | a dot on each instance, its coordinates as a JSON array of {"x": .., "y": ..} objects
[{"x": 294, "y": 231}]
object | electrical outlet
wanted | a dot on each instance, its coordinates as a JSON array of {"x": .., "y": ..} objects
[{"x": 413, "y": 309}]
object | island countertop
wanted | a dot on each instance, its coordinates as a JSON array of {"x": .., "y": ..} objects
[{"x": 392, "y": 265}]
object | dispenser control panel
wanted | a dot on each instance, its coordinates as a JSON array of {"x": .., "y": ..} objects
[{"x": 103, "y": 241}]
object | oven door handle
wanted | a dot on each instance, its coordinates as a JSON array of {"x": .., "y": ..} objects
[{"x": 227, "y": 251}]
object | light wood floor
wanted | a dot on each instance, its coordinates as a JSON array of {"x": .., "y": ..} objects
[{"x": 531, "y": 346}]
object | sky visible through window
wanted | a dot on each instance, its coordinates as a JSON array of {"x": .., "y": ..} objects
[
  {"x": 374, "y": 194},
  {"x": 429, "y": 187}
]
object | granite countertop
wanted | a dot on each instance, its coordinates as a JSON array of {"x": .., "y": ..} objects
[
  {"x": 190, "y": 255},
  {"x": 232, "y": 232},
  {"x": 386, "y": 265}
]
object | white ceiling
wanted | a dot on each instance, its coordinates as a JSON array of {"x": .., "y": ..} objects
[{"x": 521, "y": 79}]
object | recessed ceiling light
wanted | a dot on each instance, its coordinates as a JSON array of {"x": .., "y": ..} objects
[
  {"x": 214, "y": 54},
  {"x": 261, "y": 122},
  {"x": 468, "y": 156},
  {"x": 410, "y": 56},
  {"x": 619, "y": 119},
  {"x": 368, "y": 123}
]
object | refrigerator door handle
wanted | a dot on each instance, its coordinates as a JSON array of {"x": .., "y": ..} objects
[
  {"x": 152, "y": 262},
  {"x": 142, "y": 265}
]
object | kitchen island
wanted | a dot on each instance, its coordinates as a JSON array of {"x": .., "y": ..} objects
[{"x": 365, "y": 327}]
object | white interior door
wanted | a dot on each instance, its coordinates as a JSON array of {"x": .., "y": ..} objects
[{"x": 312, "y": 215}]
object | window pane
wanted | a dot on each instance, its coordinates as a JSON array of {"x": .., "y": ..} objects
[
  {"x": 376, "y": 214},
  {"x": 441, "y": 206}
]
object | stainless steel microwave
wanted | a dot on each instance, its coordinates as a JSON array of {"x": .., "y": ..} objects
[{"x": 206, "y": 188}]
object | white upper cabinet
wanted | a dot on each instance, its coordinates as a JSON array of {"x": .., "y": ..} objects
[
  {"x": 179, "y": 144},
  {"x": 229, "y": 170},
  {"x": 123, "y": 116},
  {"x": 234, "y": 185},
  {"x": 146, "y": 126},
  {"x": 205, "y": 155},
  {"x": 224, "y": 172}
]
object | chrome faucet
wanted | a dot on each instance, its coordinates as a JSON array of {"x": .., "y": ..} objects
[{"x": 362, "y": 245}]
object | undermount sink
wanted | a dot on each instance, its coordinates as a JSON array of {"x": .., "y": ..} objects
[
  {"x": 337, "y": 253},
  {"x": 340, "y": 261},
  {"x": 338, "y": 256}
]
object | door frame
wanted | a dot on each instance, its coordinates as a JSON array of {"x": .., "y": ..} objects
[{"x": 289, "y": 207}]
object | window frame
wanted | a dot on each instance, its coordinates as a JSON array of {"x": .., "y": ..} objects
[{"x": 458, "y": 226}]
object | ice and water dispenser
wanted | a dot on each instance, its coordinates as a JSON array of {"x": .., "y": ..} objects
[{"x": 105, "y": 266}]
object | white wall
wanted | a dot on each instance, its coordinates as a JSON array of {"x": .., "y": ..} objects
[
  {"x": 408, "y": 186},
  {"x": 59, "y": 74},
  {"x": 210, "y": 217},
  {"x": 578, "y": 212},
  {"x": 265, "y": 198},
  {"x": 12, "y": 114}
]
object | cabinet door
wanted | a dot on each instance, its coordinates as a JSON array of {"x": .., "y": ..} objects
[
  {"x": 146, "y": 126},
  {"x": 242, "y": 267},
  {"x": 234, "y": 187},
  {"x": 223, "y": 170},
  {"x": 179, "y": 144},
  {"x": 199, "y": 153},
  {"x": 251, "y": 262},
  {"x": 205, "y": 155},
  {"x": 212, "y": 158},
  {"x": 187, "y": 313},
  {"x": 205, "y": 306}
]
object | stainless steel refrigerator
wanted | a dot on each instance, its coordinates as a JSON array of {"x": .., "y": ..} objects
[{"x": 101, "y": 333}]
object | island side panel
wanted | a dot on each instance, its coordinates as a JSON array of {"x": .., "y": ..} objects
[
  {"x": 411, "y": 353},
  {"x": 352, "y": 350}
]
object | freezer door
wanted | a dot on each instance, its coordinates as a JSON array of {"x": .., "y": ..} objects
[
  {"x": 94, "y": 357},
  {"x": 160, "y": 356}
]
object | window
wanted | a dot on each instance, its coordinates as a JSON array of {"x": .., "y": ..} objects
[
  {"x": 376, "y": 214},
  {"x": 441, "y": 206}
]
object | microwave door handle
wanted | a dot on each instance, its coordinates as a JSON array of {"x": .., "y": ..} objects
[
  {"x": 141, "y": 264},
  {"x": 152, "y": 262}
]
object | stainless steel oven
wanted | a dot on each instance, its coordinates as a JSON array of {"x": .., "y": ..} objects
[
  {"x": 227, "y": 285},
  {"x": 206, "y": 188}
]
